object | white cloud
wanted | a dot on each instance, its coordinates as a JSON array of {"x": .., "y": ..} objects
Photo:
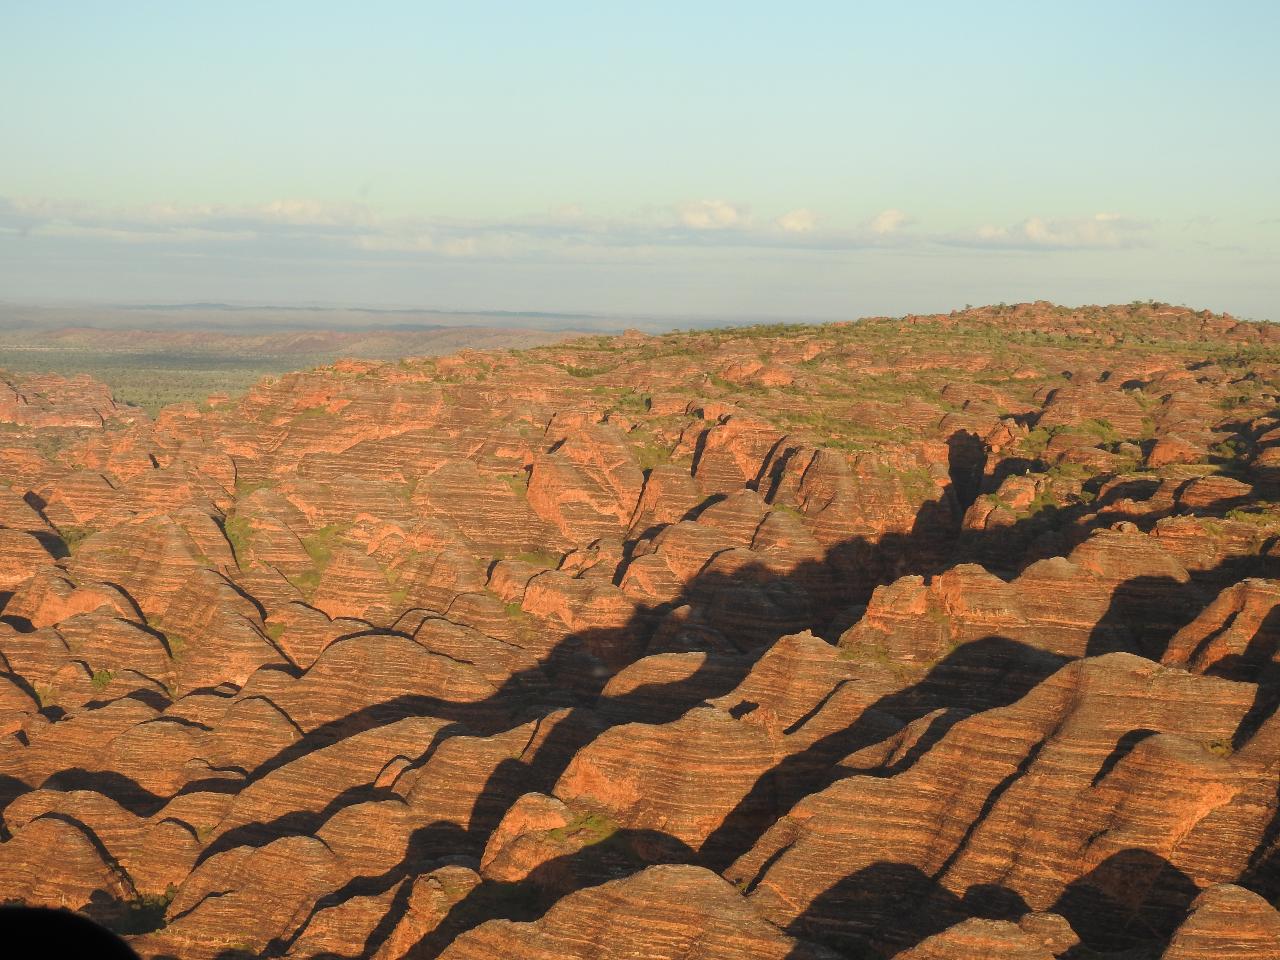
[
  {"x": 797, "y": 221},
  {"x": 304, "y": 212},
  {"x": 1101, "y": 230},
  {"x": 887, "y": 221},
  {"x": 711, "y": 215},
  {"x": 710, "y": 228}
]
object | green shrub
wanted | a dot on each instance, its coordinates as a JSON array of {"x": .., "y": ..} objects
[
  {"x": 631, "y": 401},
  {"x": 145, "y": 912},
  {"x": 176, "y": 643},
  {"x": 539, "y": 558},
  {"x": 592, "y": 828},
  {"x": 74, "y": 536},
  {"x": 319, "y": 544},
  {"x": 650, "y": 455},
  {"x": 584, "y": 372},
  {"x": 307, "y": 582},
  {"x": 46, "y": 695},
  {"x": 236, "y": 529}
]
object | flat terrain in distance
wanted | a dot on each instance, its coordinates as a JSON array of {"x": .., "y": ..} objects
[{"x": 152, "y": 367}]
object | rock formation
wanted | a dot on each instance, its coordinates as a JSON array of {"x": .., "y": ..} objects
[{"x": 932, "y": 637}]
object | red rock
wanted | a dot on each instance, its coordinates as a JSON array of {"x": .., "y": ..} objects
[
  {"x": 48, "y": 597},
  {"x": 244, "y": 899},
  {"x": 49, "y": 400},
  {"x": 344, "y": 928},
  {"x": 733, "y": 452},
  {"x": 21, "y": 555},
  {"x": 16, "y": 513},
  {"x": 963, "y": 833},
  {"x": 978, "y": 938},
  {"x": 1214, "y": 494},
  {"x": 1175, "y": 449},
  {"x": 589, "y": 486},
  {"x": 1227, "y": 923},
  {"x": 323, "y": 651},
  {"x": 664, "y": 912},
  {"x": 670, "y": 494},
  {"x": 381, "y": 675},
  {"x": 82, "y": 880},
  {"x": 681, "y": 778},
  {"x": 1234, "y": 636},
  {"x": 75, "y": 744},
  {"x": 305, "y": 786}
]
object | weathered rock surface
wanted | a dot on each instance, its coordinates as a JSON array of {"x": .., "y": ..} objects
[
  {"x": 1227, "y": 923},
  {"x": 934, "y": 637},
  {"x": 676, "y": 912}
]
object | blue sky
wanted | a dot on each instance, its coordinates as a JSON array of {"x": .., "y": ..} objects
[{"x": 812, "y": 160}]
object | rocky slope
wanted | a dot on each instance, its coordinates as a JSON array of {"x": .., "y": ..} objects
[{"x": 930, "y": 637}]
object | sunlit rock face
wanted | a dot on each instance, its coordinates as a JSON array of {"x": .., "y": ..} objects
[{"x": 936, "y": 637}]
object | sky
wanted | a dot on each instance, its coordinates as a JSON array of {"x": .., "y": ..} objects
[{"x": 807, "y": 160}]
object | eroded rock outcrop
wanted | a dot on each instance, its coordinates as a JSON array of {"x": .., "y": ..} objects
[{"x": 935, "y": 637}]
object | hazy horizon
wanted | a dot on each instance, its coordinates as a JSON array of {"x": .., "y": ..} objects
[
  {"x": 259, "y": 319},
  {"x": 723, "y": 160}
]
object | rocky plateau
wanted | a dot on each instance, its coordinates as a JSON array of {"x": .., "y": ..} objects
[{"x": 933, "y": 637}]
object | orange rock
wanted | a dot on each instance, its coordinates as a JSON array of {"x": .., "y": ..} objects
[
  {"x": 663, "y": 912},
  {"x": 244, "y": 899},
  {"x": 1227, "y": 923},
  {"x": 978, "y": 938},
  {"x": 383, "y": 651},
  {"x": 83, "y": 880},
  {"x": 21, "y": 556}
]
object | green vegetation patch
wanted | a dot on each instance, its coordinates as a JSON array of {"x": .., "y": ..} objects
[
  {"x": 74, "y": 536},
  {"x": 1100, "y": 430},
  {"x": 1262, "y": 514},
  {"x": 153, "y": 380},
  {"x": 237, "y": 530},
  {"x": 585, "y": 372},
  {"x": 245, "y": 486},
  {"x": 46, "y": 695},
  {"x": 144, "y": 913},
  {"x": 631, "y": 400},
  {"x": 176, "y": 643},
  {"x": 650, "y": 455},
  {"x": 539, "y": 558},
  {"x": 319, "y": 543},
  {"x": 591, "y": 828}
]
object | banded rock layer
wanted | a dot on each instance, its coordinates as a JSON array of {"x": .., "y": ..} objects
[{"x": 934, "y": 637}]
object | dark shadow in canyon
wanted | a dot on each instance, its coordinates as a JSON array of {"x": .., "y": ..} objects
[
  {"x": 1133, "y": 899},
  {"x": 731, "y": 619},
  {"x": 979, "y": 675}
]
